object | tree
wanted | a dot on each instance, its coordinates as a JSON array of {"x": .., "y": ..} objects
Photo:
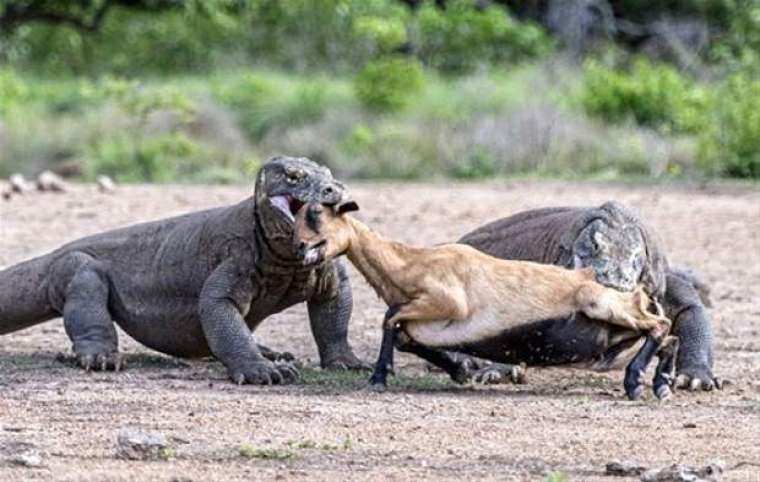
[{"x": 84, "y": 15}]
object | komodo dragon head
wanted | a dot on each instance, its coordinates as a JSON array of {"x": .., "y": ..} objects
[
  {"x": 622, "y": 251},
  {"x": 283, "y": 185}
]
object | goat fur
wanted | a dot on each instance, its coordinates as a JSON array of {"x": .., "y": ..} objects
[{"x": 453, "y": 294}]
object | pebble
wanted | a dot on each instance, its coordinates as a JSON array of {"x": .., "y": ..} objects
[
  {"x": 137, "y": 445},
  {"x": 105, "y": 184},
  {"x": 28, "y": 460},
  {"x": 48, "y": 181}
]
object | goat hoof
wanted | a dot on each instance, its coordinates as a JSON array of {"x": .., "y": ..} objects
[
  {"x": 377, "y": 387},
  {"x": 634, "y": 392},
  {"x": 663, "y": 392}
]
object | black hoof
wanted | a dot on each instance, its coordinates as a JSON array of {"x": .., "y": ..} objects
[
  {"x": 377, "y": 387},
  {"x": 632, "y": 384},
  {"x": 634, "y": 393},
  {"x": 662, "y": 392}
]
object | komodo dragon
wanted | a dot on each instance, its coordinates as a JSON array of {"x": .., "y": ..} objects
[
  {"x": 193, "y": 285},
  {"x": 624, "y": 252}
]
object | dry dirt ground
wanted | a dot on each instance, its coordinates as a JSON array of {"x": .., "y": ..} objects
[{"x": 564, "y": 424}]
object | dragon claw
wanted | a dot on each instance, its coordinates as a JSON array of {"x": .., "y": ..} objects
[
  {"x": 696, "y": 380},
  {"x": 101, "y": 361},
  {"x": 499, "y": 373},
  {"x": 345, "y": 361},
  {"x": 264, "y": 372}
]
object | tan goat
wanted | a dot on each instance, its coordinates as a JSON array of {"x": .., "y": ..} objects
[{"x": 451, "y": 295}]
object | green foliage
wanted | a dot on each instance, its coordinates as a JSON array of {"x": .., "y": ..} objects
[
  {"x": 480, "y": 163},
  {"x": 654, "y": 95},
  {"x": 739, "y": 46},
  {"x": 129, "y": 42},
  {"x": 160, "y": 158},
  {"x": 724, "y": 117},
  {"x": 729, "y": 144},
  {"x": 557, "y": 477},
  {"x": 298, "y": 34},
  {"x": 12, "y": 90},
  {"x": 383, "y": 34},
  {"x": 340, "y": 34},
  {"x": 139, "y": 101},
  {"x": 264, "y": 102},
  {"x": 151, "y": 145},
  {"x": 390, "y": 150},
  {"x": 462, "y": 36},
  {"x": 387, "y": 84},
  {"x": 250, "y": 452}
]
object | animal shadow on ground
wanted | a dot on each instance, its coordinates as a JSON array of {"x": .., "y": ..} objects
[{"x": 18, "y": 367}]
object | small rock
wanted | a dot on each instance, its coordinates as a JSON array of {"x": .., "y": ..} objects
[
  {"x": 105, "y": 184},
  {"x": 624, "y": 469},
  {"x": 684, "y": 473},
  {"x": 29, "y": 459},
  {"x": 19, "y": 184},
  {"x": 48, "y": 181},
  {"x": 136, "y": 445},
  {"x": 690, "y": 425}
]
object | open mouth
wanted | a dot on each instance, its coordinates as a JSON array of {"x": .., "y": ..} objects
[
  {"x": 313, "y": 255},
  {"x": 287, "y": 204}
]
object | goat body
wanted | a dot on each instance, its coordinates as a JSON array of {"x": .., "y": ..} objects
[{"x": 452, "y": 294}]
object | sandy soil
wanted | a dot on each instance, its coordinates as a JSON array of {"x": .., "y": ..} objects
[{"x": 564, "y": 424}]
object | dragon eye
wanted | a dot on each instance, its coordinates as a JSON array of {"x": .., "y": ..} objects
[{"x": 293, "y": 177}]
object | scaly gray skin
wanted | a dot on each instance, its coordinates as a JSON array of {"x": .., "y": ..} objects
[
  {"x": 624, "y": 252},
  {"x": 194, "y": 285}
]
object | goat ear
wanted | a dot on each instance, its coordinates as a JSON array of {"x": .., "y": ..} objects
[{"x": 346, "y": 207}]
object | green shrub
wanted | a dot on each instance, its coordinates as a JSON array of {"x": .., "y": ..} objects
[
  {"x": 131, "y": 42},
  {"x": 341, "y": 34},
  {"x": 462, "y": 36},
  {"x": 738, "y": 46},
  {"x": 653, "y": 95},
  {"x": 478, "y": 164},
  {"x": 729, "y": 144},
  {"x": 59, "y": 96},
  {"x": 12, "y": 90},
  {"x": 382, "y": 34},
  {"x": 387, "y": 84},
  {"x": 389, "y": 151},
  {"x": 264, "y": 103},
  {"x": 140, "y": 100},
  {"x": 161, "y": 158}
]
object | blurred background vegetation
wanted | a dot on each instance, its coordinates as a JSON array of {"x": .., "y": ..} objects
[{"x": 204, "y": 91}]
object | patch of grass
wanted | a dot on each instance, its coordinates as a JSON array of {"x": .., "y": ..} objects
[
  {"x": 250, "y": 452},
  {"x": 557, "y": 477},
  {"x": 303, "y": 444},
  {"x": 24, "y": 361},
  {"x": 347, "y": 444},
  {"x": 351, "y": 381},
  {"x": 167, "y": 453},
  {"x": 333, "y": 378},
  {"x": 149, "y": 360}
]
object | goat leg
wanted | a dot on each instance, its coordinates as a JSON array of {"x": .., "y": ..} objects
[
  {"x": 384, "y": 363},
  {"x": 634, "y": 372},
  {"x": 460, "y": 370},
  {"x": 664, "y": 375}
]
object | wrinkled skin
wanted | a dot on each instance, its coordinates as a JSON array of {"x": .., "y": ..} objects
[
  {"x": 194, "y": 285},
  {"x": 623, "y": 252}
]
